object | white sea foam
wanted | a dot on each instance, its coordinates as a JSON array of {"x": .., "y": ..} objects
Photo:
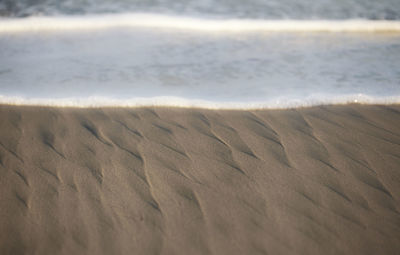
[
  {"x": 105, "y": 21},
  {"x": 148, "y": 67},
  {"x": 164, "y": 101}
]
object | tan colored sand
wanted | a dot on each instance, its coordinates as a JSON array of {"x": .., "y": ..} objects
[{"x": 321, "y": 180}]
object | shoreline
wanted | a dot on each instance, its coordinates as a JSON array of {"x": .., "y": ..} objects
[
  {"x": 314, "y": 180},
  {"x": 182, "y": 103}
]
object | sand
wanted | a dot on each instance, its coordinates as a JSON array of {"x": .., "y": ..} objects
[{"x": 319, "y": 180}]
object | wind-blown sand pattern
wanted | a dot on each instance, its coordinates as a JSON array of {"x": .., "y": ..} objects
[{"x": 320, "y": 180}]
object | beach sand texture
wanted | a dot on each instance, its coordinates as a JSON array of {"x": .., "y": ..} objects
[{"x": 319, "y": 180}]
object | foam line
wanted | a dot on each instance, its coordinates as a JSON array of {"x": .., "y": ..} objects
[
  {"x": 164, "y": 101},
  {"x": 95, "y": 22}
]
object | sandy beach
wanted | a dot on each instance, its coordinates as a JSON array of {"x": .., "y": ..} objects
[{"x": 318, "y": 180}]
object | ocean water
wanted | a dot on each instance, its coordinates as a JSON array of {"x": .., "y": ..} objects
[{"x": 210, "y": 54}]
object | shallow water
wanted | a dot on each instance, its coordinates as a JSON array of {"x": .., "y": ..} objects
[
  {"x": 152, "y": 59},
  {"x": 253, "y": 9}
]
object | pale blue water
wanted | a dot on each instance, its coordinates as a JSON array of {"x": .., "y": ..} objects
[
  {"x": 253, "y": 9},
  {"x": 234, "y": 66}
]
